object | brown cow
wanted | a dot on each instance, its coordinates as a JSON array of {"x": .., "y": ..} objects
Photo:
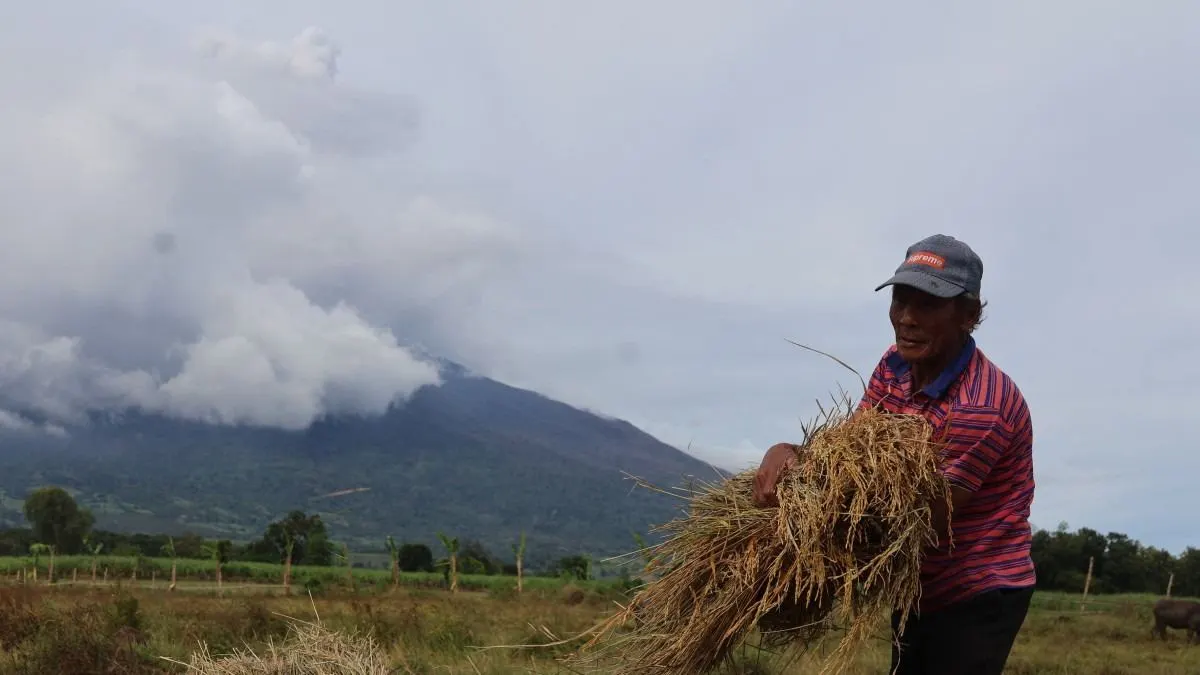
[{"x": 1178, "y": 614}]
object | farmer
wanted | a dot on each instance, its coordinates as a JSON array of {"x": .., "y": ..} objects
[{"x": 975, "y": 593}]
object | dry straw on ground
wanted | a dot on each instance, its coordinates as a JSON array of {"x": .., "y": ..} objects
[
  {"x": 310, "y": 649},
  {"x": 841, "y": 550}
]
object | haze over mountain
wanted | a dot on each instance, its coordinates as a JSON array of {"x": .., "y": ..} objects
[{"x": 472, "y": 457}]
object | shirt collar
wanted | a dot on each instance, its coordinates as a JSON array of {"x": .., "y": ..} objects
[{"x": 937, "y": 388}]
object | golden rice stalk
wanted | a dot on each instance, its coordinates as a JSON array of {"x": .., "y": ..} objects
[
  {"x": 842, "y": 549},
  {"x": 310, "y": 649}
]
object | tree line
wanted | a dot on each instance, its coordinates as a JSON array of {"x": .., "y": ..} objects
[
  {"x": 1120, "y": 564},
  {"x": 57, "y": 522}
]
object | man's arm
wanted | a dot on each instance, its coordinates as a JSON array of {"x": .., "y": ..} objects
[
  {"x": 781, "y": 457},
  {"x": 986, "y": 437}
]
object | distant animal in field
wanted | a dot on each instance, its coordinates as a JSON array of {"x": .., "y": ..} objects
[{"x": 1178, "y": 614}]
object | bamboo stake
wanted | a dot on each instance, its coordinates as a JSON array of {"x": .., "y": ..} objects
[{"x": 1087, "y": 584}]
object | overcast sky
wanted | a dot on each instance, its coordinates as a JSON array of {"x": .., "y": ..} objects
[{"x": 241, "y": 212}]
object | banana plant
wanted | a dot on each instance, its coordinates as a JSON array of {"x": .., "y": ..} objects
[
  {"x": 451, "y": 544},
  {"x": 345, "y": 557},
  {"x": 219, "y": 552},
  {"x": 519, "y": 554},
  {"x": 93, "y": 551},
  {"x": 169, "y": 550},
  {"x": 37, "y": 551},
  {"x": 394, "y": 552},
  {"x": 289, "y": 547}
]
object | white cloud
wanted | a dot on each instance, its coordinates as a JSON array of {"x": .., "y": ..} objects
[
  {"x": 198, "y": 217},
  {"x": 10, "y": 421},
  {"x": 311, "y": 54},
  {"x": 269, "y": 356},
  {"x": 51, "y": 376}
]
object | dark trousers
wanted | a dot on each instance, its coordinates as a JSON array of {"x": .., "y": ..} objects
[{"x": 972, "y": 637}]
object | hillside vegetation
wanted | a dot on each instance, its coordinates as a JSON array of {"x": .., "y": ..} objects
[{"x": 473, "y": 457}]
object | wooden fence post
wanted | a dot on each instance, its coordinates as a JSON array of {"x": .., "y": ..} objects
[
  {"x": 1170, "y": 583},
  {"x": 1087, "y": 584}
]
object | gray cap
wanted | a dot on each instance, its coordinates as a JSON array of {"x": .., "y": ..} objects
[{"x": 939, "y": 265}]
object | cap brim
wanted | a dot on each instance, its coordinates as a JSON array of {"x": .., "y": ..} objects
[{"x": 923, "y": 282}]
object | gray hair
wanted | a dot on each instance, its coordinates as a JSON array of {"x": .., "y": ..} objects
[{"x": 972, "y": 299}]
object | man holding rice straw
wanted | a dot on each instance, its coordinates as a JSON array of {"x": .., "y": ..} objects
[{"x": 976, "y": 593}]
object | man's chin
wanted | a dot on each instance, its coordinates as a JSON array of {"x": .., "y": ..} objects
[{"x": 911, "y": 353}]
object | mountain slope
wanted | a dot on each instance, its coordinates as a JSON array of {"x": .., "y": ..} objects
[{"x": 474, "y": 458}]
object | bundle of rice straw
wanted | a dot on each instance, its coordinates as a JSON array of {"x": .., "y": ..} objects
[
  {"x": 310, "y": 649},
  {"x": 842, "y": 549}
]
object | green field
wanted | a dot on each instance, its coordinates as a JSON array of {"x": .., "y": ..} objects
[
  {"x": 188, "y": 571},
  {"x": 127, "y": 625}
]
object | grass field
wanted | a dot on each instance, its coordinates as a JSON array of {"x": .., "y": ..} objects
[
  {"x": 124, "y": 628},
  {"x": 188, "y": 571}
]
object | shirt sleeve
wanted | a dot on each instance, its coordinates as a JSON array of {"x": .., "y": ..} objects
[
  {"x": 984, "y": 439},
  {"x": 876, "y": 386}
]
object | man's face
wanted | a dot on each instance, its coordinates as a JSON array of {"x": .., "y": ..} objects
[{"x": 927, "y": 327}]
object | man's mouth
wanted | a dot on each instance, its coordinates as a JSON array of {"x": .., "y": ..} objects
[{"x": 909, "y": 342}]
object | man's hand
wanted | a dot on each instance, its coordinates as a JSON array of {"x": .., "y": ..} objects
[
  {"x": 779, "y": 458},
  {"x": 941, "y": 517}
]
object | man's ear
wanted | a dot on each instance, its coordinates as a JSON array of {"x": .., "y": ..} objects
[{"x": 972, "y": 314}]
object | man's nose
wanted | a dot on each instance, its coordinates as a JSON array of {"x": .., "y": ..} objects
[{"x": 906, "y": 316}]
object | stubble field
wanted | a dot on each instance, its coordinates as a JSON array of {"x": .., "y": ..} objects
[{"x": 129, "y": 627}]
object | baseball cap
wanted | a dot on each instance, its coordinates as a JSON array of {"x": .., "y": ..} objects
[{"x": 939, "y": 265}]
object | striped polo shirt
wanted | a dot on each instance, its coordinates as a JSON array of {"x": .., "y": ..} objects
[{"x": 979, "y": 414}]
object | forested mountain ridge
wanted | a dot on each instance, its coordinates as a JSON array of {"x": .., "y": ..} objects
[{"x": 472, "y": 457}]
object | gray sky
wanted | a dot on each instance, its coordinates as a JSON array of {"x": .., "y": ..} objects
[{"x": 233, "y": 211}]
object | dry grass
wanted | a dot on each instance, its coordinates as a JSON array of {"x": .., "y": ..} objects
[
  {"x": 842, "y": 549},
  {"x": 56, "y": 630},
  {"x": 309, "y": 649}
]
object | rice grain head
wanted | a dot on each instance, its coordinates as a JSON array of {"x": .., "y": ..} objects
[{"x": 842, "y": 550}]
